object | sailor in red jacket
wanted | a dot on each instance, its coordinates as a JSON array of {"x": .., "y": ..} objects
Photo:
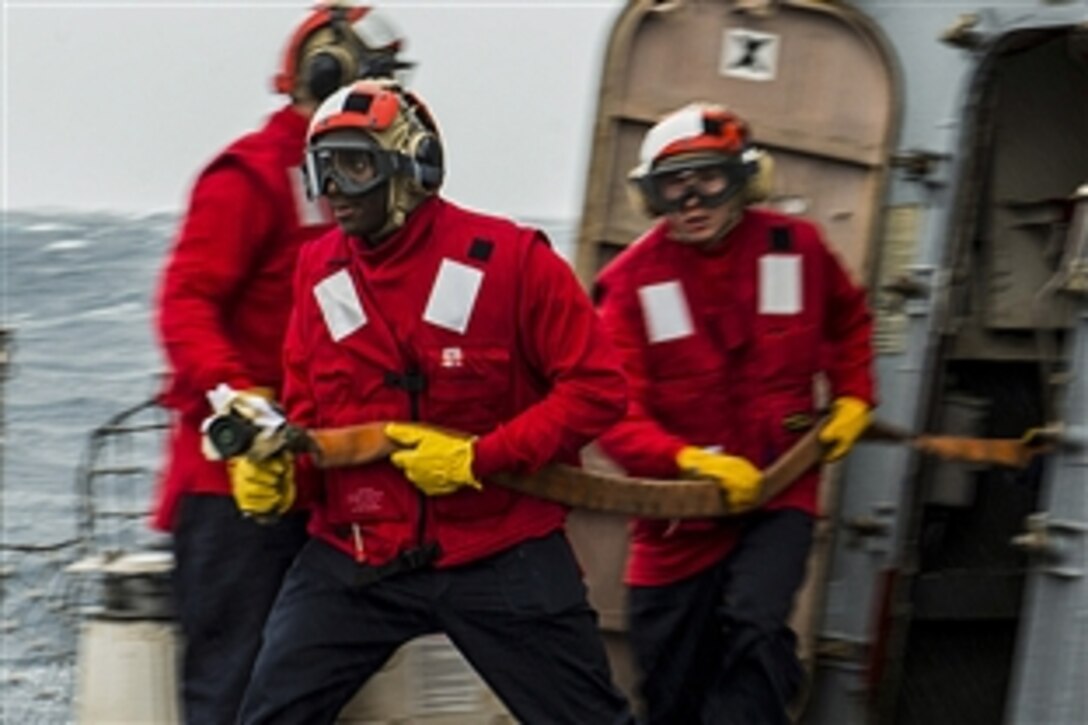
[
  {"x": 222, "y": 308},
  {"x": 419, "y": 310},
  {"x": 724, "y": 316}
]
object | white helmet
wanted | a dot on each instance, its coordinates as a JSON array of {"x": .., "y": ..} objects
[{"x": 699, "y": 136}]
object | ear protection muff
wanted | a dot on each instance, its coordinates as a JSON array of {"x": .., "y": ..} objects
[
  {"x": 332, "y": 64},
  {"x": 422, "y": 170},
  {"x": 331, "y": 61},
  {"x": 322, "y": 61},
  {"x": 428, "y": 169},
  {"x": 334, "y": 46},
  {"x": 424, "y": 147},
  {"x": 761, "y": 178},
  {"x": 421, "y": 151},
  {"x": 326, "y": 70}
]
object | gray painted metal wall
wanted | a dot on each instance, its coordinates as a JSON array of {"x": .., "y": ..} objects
[
  {"x": 875, "y": 500},
  {"x": 1049, "y": 684}
]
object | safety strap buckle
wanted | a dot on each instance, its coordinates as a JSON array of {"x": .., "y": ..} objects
[
  {"x": 418, "y": 557},
  {"x": 412, "y": 381}
]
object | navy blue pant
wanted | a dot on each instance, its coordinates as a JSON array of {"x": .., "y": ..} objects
[
  {"x": 520, "y": 617},
  {"x": 228, "y": 570},
  {"x": 716, "y": 647}
]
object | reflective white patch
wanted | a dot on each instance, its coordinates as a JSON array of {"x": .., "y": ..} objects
[
  {"x": 310, "y": 212},
  {"x": 453, "y": 296},
  {"x": 666, "y": 311},
  {"x": 749, "y": 55},
  {"x": 340, "y": 305},
  {"x": 780, "y": 284}
]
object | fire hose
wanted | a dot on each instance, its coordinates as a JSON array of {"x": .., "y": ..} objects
[{"x": 233, "y": 434}]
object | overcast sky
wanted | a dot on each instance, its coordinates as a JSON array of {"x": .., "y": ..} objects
[{"x": 116, "y": 105}]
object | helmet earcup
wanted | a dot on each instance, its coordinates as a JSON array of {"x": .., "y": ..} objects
[
  {"x": 428, "y": 156},
  {"x": 761, "y": 181},
  {"x": 323, "y": 73}
]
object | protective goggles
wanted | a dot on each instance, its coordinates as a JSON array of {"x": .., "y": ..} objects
[
  {"x": 357, "y": 167},
  {"x": 710, "y": 182}
]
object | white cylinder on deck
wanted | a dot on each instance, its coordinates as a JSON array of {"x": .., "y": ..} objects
[{"x": 126, "y": 673}]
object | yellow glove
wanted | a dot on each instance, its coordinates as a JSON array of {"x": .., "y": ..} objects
[
  {"x": 849, "y": 419},
  {"x": 263, "y": 489},
  {"x": 437, "y": 463},
  {"x": 740, "y": 480}
]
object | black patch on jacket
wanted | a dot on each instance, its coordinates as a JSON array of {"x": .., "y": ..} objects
[
  {"x": 481, "y": 249},
  {"x": 781, "y": 239}
]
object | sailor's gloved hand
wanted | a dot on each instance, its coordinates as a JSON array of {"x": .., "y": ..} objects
[
  {"x": 263, "y": 489},
  {"x": 437, "y": 463},
  {"x": 849, "y": 419},
  {"x": 741, "y": 481}
]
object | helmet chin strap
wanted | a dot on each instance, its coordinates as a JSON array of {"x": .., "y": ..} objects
[{"x": 401, "y": 200}]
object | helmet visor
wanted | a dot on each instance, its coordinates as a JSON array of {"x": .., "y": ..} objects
[
  {"x": 709, "y": 181},
  {"x": 355, "y": 166}
]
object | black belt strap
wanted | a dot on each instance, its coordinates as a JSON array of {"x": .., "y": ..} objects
[{"x": 323, "y": 557}]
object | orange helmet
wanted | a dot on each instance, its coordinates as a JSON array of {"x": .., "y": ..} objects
[
  {"x": 697, "y": 136},
  {"x": 334, "y": 45}
]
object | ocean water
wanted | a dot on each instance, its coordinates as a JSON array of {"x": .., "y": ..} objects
[
  {"x": 75, "y": 294},
  {"x": 76, "y": 302}
]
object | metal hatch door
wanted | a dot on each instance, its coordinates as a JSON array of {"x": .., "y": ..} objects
[
  {"x": 1008, "y": 354},
  {"x": 818, "y": 86},
  {"x": 814, "y": 80}
]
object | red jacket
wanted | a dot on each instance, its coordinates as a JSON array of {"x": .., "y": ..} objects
[
  {"x": 713, "y": 362},
  {"x": 461, "y": 320},
  {"x": 225, "y": 293}
]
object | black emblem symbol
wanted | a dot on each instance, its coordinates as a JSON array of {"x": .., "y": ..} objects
[{"x": 749, "y": 58}]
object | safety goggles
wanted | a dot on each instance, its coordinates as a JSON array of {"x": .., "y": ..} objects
[
  {"x": 356, "y": 166},
  {"x": 710, "y": 182}
]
